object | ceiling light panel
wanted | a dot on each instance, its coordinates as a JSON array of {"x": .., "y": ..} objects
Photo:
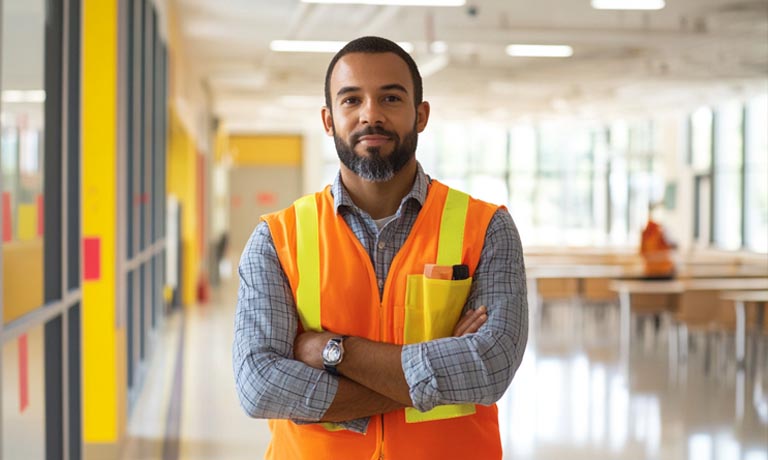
[
  {"x": 392, "y": 2},
  {"x": 628, "y": 4},
  {"x": 540, "y": 51}
]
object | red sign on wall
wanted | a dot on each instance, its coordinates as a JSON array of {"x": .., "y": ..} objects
[
  {"x": 91, "y": 259},
  {"x": 266, "y": 199},
  {"x": 40, "y": 215},
  {"x": 23, "y": 373}
]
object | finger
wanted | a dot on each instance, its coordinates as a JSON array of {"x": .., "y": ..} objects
[
  {"x": 476, "y": 323},
  {"x": 476, "y": 320},
  {"x": 466, "y": 321}
]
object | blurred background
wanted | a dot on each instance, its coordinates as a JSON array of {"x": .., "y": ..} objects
[{"x": 142, "y": 140}]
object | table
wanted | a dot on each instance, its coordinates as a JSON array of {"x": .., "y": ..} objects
[
  {"x": 740, "y": 298},
  {"x": 626, "y": 288}
]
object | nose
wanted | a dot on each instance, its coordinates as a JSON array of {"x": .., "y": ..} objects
[{"x": 371, "y": 113}]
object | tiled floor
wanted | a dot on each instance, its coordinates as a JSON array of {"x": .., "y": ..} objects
[{"x": 571, "y": 399}]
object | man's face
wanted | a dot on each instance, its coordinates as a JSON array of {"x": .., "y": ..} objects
[{"x": 373, "y": 120}]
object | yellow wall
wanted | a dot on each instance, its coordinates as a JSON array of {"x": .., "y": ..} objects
[
  {"x": 23, "y": 284},
  {"x": 103, "y": 412},
  {"x": 182, "y": 183},
  {"x": 277, "y": 150}
]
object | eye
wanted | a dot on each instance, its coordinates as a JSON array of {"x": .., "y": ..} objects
[
  {"x": 350, "y": 100},
  {"x": 392, "y": 98}
]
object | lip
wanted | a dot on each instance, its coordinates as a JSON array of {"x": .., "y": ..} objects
[{"x": 373, "y": 140}]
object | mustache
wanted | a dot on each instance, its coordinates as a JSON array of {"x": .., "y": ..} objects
[{"x": 372, "y": 130}]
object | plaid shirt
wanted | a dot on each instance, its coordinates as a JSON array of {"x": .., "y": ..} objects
[{"x": 476, "y": 368}]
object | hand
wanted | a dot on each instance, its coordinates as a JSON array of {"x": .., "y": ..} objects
[
  {"x": 308, "y": 347},
  {"x": 471, "y": 321}
]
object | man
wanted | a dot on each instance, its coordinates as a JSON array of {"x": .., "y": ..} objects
[
  {"x": 350, "y": 303},
  {"x": 656, "y": 250}
]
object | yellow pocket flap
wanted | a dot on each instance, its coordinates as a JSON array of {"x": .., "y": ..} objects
[
  {"x": 439, "y": 413},
  {"x": 433, "y": 307},
  {"x": 443, "y": 303}
]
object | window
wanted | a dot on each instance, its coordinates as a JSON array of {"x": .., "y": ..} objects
[
  {"x": 756, "y": 177},
  {"x": 701, "y": 139},
  {"x": 728, "y": 176},
  {"x": 23, "y": 125}
]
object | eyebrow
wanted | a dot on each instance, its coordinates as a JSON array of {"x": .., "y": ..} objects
[{"x": 392, "y": 86}]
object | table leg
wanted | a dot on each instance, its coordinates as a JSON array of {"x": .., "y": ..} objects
[
  {"x": 740, "y": 393},
  {"x": 755, "y": 335},
  {"x": 624, "y": 326},
  {"x": 741, "y": 332}
]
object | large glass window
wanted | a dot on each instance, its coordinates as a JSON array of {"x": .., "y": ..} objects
[
  {"x": 756, "y": 177},
  {"x": 728, "y": 175},
  {"x": 701, "y": 139},
  {"x": 39, "y": 172},
  {"x": 522, "y": 177},
  {"x": 23, "y": 414},
  {"x": 563, "y": 195},
  {"x": 23, "y": 120},
  {"x": 488, "y": 162},
  {"x": 145, "y": 171}
]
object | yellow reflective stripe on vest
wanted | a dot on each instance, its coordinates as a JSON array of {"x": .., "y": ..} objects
[
  {"x": 308, "y": 261},
  {"x": 451, "y": 240},
  {"x": 449, "y": 250}
]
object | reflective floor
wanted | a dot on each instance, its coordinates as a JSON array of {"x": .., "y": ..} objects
[{"x": 572, "y": 398}]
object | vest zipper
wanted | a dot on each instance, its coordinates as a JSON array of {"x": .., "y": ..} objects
[
  {"x": 382, "y": 321},
  {"x": 381, "y": 446}
]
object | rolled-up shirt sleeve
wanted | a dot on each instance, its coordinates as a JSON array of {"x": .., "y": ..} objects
[
  {"x": 478, "y": 368},
  {"x": 269, "y": 382}
]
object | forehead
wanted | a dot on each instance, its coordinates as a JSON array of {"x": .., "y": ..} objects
[{"x": 370, "y": 71}]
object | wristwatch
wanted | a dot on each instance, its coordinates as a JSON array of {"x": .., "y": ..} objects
[{"x": 333, "y": 353}]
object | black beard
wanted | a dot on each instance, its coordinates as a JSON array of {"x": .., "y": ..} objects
[{"x": 375, "y": 167}]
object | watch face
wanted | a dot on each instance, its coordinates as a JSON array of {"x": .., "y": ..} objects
[{"x": 332, "y": 353}]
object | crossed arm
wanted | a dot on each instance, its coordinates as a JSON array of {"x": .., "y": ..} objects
[
  {"x": 364, "y": 389},
  {"x": 278, "y": 374}
]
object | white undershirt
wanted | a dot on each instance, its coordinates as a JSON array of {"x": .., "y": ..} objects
[{"x": 380, "y": 223}]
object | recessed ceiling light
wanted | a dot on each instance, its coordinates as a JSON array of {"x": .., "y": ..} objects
[
  {"x": 628, "y": 4},
  {"x": 438, "y": 47},
  {"x": 540, "y": 50},
  {"x": 393, "y": 2},
  {"x": 316, "y": 46},
  {"x": 23, "y": 96}
]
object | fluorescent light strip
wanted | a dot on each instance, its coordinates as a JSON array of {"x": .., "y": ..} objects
[
  {"x": 539, "y": 50},
  {"x": 628, "y": 4},
  {"x": 438, "y": 47},
  {"x": 392, "y": 2},
  {"x": 19, "y": 96},
  {"x": 312, "y": 46}
]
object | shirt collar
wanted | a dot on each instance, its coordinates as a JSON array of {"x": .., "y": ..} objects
[{"x": 418, "y": 192}]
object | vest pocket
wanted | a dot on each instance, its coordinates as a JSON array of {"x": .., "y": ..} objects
[{"x": 432, "y": 309}]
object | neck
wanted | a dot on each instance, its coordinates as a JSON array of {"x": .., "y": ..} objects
[{"x": 379, "y": 199}]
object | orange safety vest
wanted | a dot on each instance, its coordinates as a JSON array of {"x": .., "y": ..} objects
[{"x": 335, "y": 287}]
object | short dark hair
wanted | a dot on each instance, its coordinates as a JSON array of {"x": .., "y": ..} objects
[{"x": 375, "y": 45}]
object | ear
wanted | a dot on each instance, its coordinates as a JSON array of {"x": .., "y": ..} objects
[
  {"x": 422, "y": 116},
  {"x": 325, "y": 113}
]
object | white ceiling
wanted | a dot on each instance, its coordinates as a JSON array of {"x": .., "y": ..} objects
[{"x": 625, "y": 62}]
